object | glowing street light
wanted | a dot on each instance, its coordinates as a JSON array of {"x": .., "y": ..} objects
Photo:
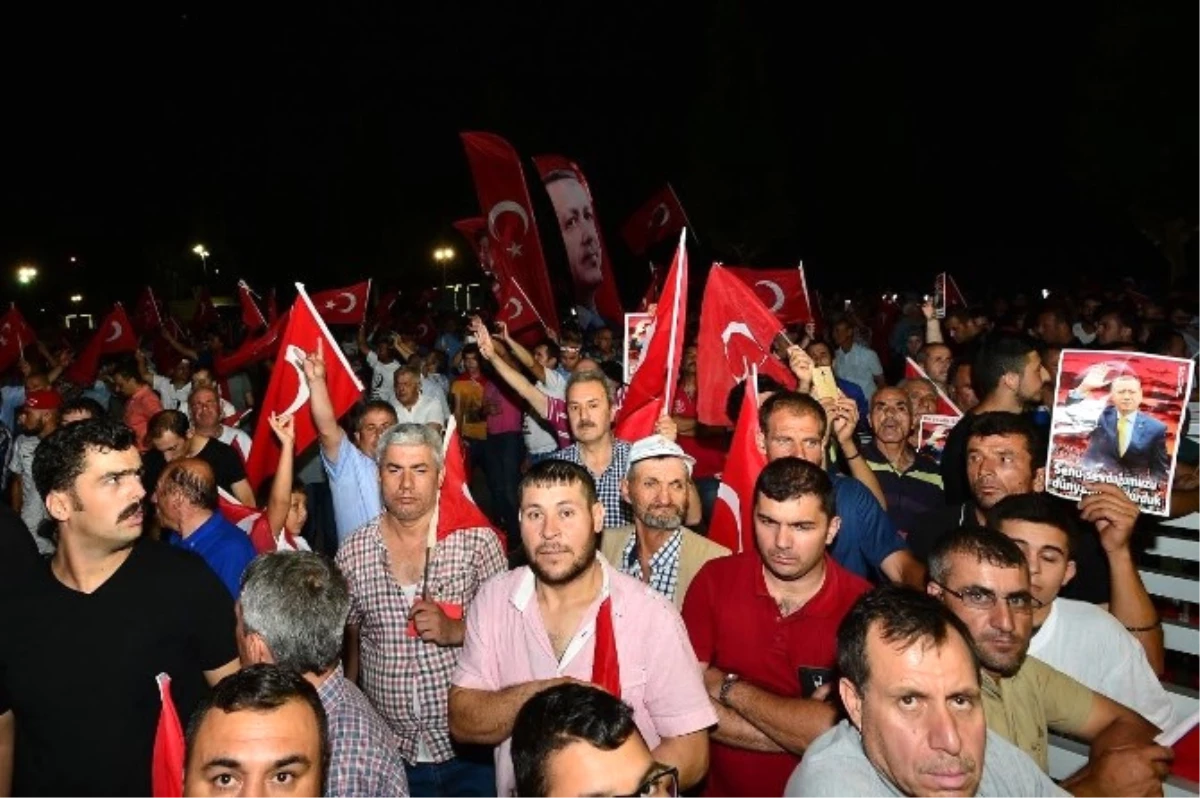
[
  {"x": 26, "y": 275},
  {"x": 442, "y": 256},
  {"x": 203, "y": 253},
  {"x": 76, "y": 298}
]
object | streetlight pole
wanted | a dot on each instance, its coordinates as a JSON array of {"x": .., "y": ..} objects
[{"x": 203, "y": 253}]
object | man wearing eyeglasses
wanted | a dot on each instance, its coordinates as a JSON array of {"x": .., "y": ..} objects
[
  {"x": 983, "y": 578},
  {"x": 575, "y": 739}
]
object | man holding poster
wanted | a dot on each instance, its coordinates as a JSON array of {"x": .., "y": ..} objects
[{"x": 1116, "y": 420}]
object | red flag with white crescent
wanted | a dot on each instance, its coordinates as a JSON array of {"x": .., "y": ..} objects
[
  {"x": 287, "y": 392},
  {"x": 253, "y": 350},
  {"x": 343, "y": 305},
  {"x": 651, "y": 392},
  {"x": 518, "y": 312},
  {"x": 513, "y": 244},
  {"x": 456, "y": 507},
  {"x": 15, "y": 335},
  {"x": 252, "y": 317},
  {"x": 733, "y": 516},
  {"x": 781, "y": 290},
  {"x": 737, "y": 332},
  {"x": 660, "y": 218},
  {"x": 913, "y": 371},
  {"x": 114, "y": 335},
  {"x": 591, "y": 269}
]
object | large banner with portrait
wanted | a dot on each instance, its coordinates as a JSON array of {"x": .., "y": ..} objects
[{"x": 1117, "y": 419}]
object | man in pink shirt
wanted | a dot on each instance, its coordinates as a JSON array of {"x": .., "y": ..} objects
[
  {"x": 569, "y": 616},
  {"x": 504, "y": 449},
  {"x": 141, "y": 402}
]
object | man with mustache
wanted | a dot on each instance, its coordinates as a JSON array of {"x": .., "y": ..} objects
[
  {"x": 763, "y": 624},
  {"x": 186, "y": 500},
  {"x": 581, "y": 236},
  {"x": 909, "y": 479},
  {"x": 82, "y": 642},
  {"x": 570, "y": 616},
  {"x": 910, "y": 685},
  {"x": 983, "y": 578}
]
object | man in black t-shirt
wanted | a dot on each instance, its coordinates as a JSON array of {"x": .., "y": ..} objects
[
  {"x": 80, "y": 646},
  {"x": 171, "y": 437}
]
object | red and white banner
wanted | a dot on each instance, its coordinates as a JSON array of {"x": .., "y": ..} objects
[
  {"x": 513, "y": 244},
  {"x": 652, "y": 391},
  {"x": 343, "y": 305},
  {"x": 518, "y": 312},
  {"x": 946, "y": 295},
  {"x": 591, "y": 269},
  {"x": 660, "y": 218},
  {"x": 114, "y": 335},
  {"x": 732, "y": 523},
  {"x": 15, "y": 335},
  {"x": 737, "y": 334},
  {"x": 252, "y": 317},
  {"x": 456, "y": 508},
  {"x": 782, "y": 291},
  {"x": 287, "y": 392},
  {"x": 912, "y": 371},
  {"x": 252, "y": 350}
]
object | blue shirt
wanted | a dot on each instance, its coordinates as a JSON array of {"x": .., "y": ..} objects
[
  {"x": 354, "y": 485},
  {"x": 11, "y": 397},
  {"x": 867, "y": 536},
  {"x": 225, "y": 547}
]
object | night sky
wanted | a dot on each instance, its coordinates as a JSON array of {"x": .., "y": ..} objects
[{"x": 881, "y": 145}]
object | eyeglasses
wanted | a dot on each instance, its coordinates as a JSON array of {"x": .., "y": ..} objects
[
  {"x": 978, "y": 599},
  {"x": 662, "y": 781}
]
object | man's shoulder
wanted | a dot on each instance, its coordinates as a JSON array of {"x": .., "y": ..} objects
[
  {"x": 1007, "y": 770},
  {"x": 639, "y": 598},
  {"x": 835, "y": 764},
  {"x": 1100, "y": 624},
  {"x": 723, "y": 570},
  {"x": 613, "y": 540},
  {"x": 358, "y": 542},
  {"x": 499, "y": 588},
  {"x": 170, "y": 563},
  {"x": 702, "y": 545},
  {"x": 847, "y": 585}
]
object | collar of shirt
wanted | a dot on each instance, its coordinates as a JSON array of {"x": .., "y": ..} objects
[
  {"x": 822, "y": 603},
  {"x": 333, "y": 689},
  {"x": 520, "y": 599},
  {"x": 663, "y": 563},
  {"x": 202, "y": 534}
]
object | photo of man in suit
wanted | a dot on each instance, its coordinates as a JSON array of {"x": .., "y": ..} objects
[{"x": 1125, "y": 438}]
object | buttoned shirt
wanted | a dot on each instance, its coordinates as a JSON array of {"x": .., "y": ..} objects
[
  {"x": 225, "y": 547},
  {"x": 427, "y": 410},
  {"x": 608, "y": 483},
  {"x": 860, "y": 366},
  {"x": 406, "y": 678},
  {"x": 363, "y": 755},
  {"x": 172, "y": 398},
  {"x": 354, "y": 486},
  {"x": 664, "y": 564},
  {"x": 507, "y": 644}
]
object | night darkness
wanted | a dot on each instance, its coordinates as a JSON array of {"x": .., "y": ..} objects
[{"x": 319, "y": 145}]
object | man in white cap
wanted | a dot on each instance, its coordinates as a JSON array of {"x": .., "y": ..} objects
[{"x": 656, "y": 548}]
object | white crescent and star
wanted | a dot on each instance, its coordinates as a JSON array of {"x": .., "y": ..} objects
[
  {"x": 660, "y": 215},
  {"x": 117, "y": 329},
  {"x": 503, "y": 207},
  {"x": 774, "y": 288},
  {"x": 739, "y": 328},
  {"x": 351, "y": 301},
  {"x": 294, "y": 357},
  {"x": 518, "y": 308}
]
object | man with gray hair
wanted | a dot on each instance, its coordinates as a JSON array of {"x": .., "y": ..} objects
[
  {"x": 292, "y": 613},
  {"x": 407, "y": 602}
]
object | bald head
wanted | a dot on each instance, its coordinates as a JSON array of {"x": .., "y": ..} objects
[{"x": 192, "y": 480}]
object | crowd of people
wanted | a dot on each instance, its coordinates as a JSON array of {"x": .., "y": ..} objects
[{"x": 896, "y": 623}]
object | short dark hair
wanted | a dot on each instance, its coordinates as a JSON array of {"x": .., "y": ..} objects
[
  {"x": 1036, "y": 508},
  {"x": 1000, "y": 422},
  {"x": 905, "y": 616},
  {"x": 552, "y": 349},
  {"x": 801, "y": 404},
  {"x": 166, "y": 421},
  {"x": 193, "y": 479},
  {"x": 1126, "y": 316},
  {"x": 260, "y": 688},
  {"x": 59, "y": 459},
  {"x": 790, "y": 478},
  {"x": 472, "y": 350},
  {"x": 83, "y": 404},
  {"x": 558, "y": 472},
  {"x": 999, "y": 355},
  {"x": 737, "y": 394},
  {"x": 985, "y": 545},
  {"x": 554, "y": 718},
  {"x": 360, "y": 410},
  {"x": 127, "y": 369}
]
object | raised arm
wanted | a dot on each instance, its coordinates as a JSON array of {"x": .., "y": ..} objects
[
  {"x": 521, "y": 354},
  {"x": 179, "y": 347},
  {"x": 280, "y": 500},
  {"x": 517, "y": 381},
  {"x": 361, "y": 340},
  {"x": 328, "y": 430},
  {"x": 843, "y": 417},
  {"x": 933, "y": 327}
]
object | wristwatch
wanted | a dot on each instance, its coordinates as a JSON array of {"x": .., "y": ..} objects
[{"x": 730, "y": 680}]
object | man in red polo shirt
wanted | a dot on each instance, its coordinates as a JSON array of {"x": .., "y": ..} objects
[{"x": 764, "y": 627}]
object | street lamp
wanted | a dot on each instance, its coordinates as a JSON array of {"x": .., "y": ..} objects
[
  {"x": 76, "y": 298},
  {"x": 26, "y": 275},
  {"x": 443, "y": 256},
  {"x": 203, "y": 253}
]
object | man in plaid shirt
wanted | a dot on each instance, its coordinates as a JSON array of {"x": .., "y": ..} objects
[
  {"x": 292, "y": 612},
  {"x": 407, "y": 632}
]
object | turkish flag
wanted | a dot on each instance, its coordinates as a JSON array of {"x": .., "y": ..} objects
[
  {"x": 114, "y": 335},
  {"x": 606, "y": 665},
  {"x": 514, "y": 249},
  {"x": 383, "y": 308},
  {"x": 456, "y": 508},
  {"x": 517, "y": 312},
  {"x": 781, "y": 290},
  {"x": 147, "y": 317},
  {"x": 15, "y": 335},
  {"x": 166, "y": 357},
  {"x": 733, "y": 511},
  {"x": 206, "y": 311},
  {"x": 572, "y": 201},
  {"x": 472, "y": 229},
  {"x": 166, "y": 764},
  {"x": 287, "y": 392},
  {"x": 253, "y": 349},
  {"x": 425, "y": 331},
  {"x": 912, "y": 371},
  {"x": 343, "y": 305},
  {"x": 660, "y": 218},
  {"x": 652, "y": 390},
  {"x": 253, "y": 521},
  {"x": 252, "y": 317},
  {"x": 946, "y": 295},
  {"x": 737, "y": 333}
]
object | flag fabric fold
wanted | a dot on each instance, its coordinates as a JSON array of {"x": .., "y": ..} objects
[
  {"x": 912, "y": 371},
  {"x": 606, "y": 666},
  {"x": 113, "y": 336},
  {"x": 252, "y": 317},
  {"x": 166, "y": 769},
  {"x": 253, "y": 349},
  {"x": 733, "y": 511},
  {"x": 15, "y": 335},
  {"x": 456, "y": 508},
  {"x": 659, "y": 218}
]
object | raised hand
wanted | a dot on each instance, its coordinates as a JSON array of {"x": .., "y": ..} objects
[
  {"x": 284, "y": 428},
  {"x": 314, "y": 364},
  {"x": 1112, "y": 512}
]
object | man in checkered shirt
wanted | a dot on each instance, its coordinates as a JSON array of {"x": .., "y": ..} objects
[
  {"x": 407, "y": 633},
  {"x": 292, "y": 612}
]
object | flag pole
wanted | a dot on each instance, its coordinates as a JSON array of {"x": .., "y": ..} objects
[{"x": 431, "y": 536}]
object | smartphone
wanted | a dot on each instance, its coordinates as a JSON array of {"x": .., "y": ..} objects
[
  {"x": 824, "y": 385},
  {"x": 813, "y": 679}
]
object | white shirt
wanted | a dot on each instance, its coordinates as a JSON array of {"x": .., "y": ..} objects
[
  {"x": 539, "y": 437},
  {"x": 227, "y": 409},
  {"x": 1091, "y": 646},
  {"x": 33, "y": 509},
  {"x": 860, "y": 366},
  {"x": 239, "y": 440},
  {"x": 436, "y": 387},
  {"x": 382, "y": 375},
  {"x": 172, "y": 398},
  {"x": 427, "y": 410}
]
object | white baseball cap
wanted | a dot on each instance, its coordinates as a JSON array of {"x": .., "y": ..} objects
[{"x": 659, "y": 446}]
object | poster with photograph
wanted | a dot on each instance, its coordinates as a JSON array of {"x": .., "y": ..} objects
[
  {"x": 637, "y": 334},
  {"x": 932, "y": 432},
  {"x": 1116, "y": 419},
  {"x": 939, "y": 296}
]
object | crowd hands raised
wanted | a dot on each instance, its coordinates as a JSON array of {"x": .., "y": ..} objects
[{"x": 894, "y": 625}]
